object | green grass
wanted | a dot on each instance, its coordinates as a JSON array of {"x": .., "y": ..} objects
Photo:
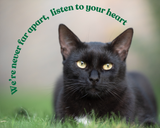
[
  {"x": 35, "y": 111},
  {"x": 37, "y": 121}
]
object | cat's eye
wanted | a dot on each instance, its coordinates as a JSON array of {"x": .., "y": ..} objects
[
  {"x": 107, "y": 66},
  {"x": 81, "y": 64}
]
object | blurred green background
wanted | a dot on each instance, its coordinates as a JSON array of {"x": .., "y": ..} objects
[
  {"x": 39, "y": 63},
  {"x": 153, "y": 54}
]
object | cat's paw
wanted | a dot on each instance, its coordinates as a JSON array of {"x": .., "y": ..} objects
[{"x": 149, "y": 122}]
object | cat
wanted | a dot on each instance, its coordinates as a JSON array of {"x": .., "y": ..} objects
[{"x": 95, "y": 79}]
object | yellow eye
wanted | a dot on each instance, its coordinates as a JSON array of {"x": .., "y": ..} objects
[
  {"x": 107, "y": 66},
  {"x": 81, "y": 64}
]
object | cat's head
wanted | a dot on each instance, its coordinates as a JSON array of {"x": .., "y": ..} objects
[{"x": 94, "y": 69}]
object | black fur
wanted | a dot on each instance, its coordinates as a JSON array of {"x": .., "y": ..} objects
[{"x": 79, "y": 91}]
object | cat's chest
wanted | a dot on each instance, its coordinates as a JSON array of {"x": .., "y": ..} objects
[{"x": 84, "y": 107}]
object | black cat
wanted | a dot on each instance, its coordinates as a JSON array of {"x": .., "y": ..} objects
[{"x": 95, "y": 78}]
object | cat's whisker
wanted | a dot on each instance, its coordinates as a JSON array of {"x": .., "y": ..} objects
[
  {"x": 117, "y": 98},
  {"x": 84, "y": 96},
  {"x": 99, "y": 96},
  {"x": 74, "y": 83},
  {"x": 81, "y": 90},
  {"x": 71, "y": 92},
  {"x": 115, "y": 94}
]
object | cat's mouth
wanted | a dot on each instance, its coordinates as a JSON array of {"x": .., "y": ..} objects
[{"x": 93, "y": 91}]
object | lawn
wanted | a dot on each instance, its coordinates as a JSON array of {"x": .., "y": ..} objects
[{"x": 35, "y": 111}]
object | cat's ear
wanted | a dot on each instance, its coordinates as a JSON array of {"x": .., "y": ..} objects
[
  {"x": 68, "y": 40},
  {"x": 120, "y": 45}
]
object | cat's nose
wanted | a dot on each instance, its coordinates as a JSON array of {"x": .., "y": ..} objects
[
  {"x": 93, "y": 80},
  {"x": 94, "y": 76}
]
